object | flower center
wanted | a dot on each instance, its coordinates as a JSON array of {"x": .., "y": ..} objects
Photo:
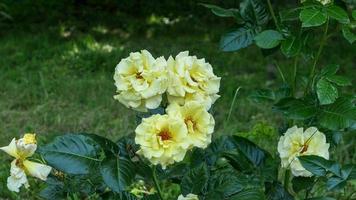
[
  {"x": 165, "y": 135},
  {"x": 139, "y": 75},
  {"x": 29, "y": 138},
  {"x": 305, "y": 148},
  {"x": 191, "y": 125}
]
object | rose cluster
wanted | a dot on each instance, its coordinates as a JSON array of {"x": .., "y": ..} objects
[{"x": 190, "y": 87}]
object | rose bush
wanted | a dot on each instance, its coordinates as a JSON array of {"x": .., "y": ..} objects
[{"x": 174, "y": 140}]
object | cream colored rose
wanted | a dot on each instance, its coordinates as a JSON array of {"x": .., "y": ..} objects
[
  {"x": 324, "y": 2},
  {"x": 21, "y": 150},
  {"x": 297, "y": 142},
  {"x": 199, "y": 122},
  {"x": 188, "y": 197},
  {"x": 141, "y": 80},
  {"x": 162, "y": 139},
  {"x": 191, "y": 78}
]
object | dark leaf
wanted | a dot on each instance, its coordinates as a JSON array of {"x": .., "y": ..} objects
[
  {"x": 295, "y": 108},
  {"x": 341, "y": 114},
  {"x": 319, "y": 166},
  {"x": 275, "y": 191},
  {"x": 238, "y": 39},
  {"x": 251, "y": 151},
  {"x": 348, "y": 34},
  {"x": 72, "y": 153},
  {"x": 195, "y": 180},
  {"x": 330, "y": 70},
  {"x": 254, "y": 11},
  {"x": 222, "y": 12},
  {"x": 117, "y": 172},
  {"x": 302, "y": 183}
]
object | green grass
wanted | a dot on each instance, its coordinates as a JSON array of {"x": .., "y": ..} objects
[{"x": 58, "y": 79}]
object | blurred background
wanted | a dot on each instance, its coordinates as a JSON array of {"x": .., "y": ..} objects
[{"x": 57, "y": 61}]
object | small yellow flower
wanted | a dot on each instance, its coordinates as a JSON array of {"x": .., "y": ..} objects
[
  {"x": 21, "y": 150},
  {"x": 191, "y": 78},
  {"x": 162, "y": 139},
  {"x": 200, "y": 123},
  {"x": 188, "y": 197},
  {"x": 296, "y": 143},
  {"x": 141, "y": 80}
]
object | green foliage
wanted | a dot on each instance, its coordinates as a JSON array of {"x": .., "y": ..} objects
[
  {"x": 72, "y": 153},
  {"x": 312, "y": 17},
  {"x": 268, "y": 39}
]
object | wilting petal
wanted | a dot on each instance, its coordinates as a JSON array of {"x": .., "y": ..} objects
[
  {"x": 17, "y": 178},
  {"x": 11, "y": 149},
  {"x": 37, "y": 170}
]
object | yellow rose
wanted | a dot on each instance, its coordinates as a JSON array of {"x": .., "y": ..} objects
[
  {"x": 162, "y": 139},
  {"x": 200, "y": 123},
  {"x": 22, "y": 149},
  {"x": 188, "y": 197},
  {"x": 296, "y": 143},
  {"x": 141, "y": 80},
  {"x": 191, "y": 78}
]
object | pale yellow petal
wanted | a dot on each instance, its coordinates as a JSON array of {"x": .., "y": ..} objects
[
  {"x": 11, "y": 149},
  {"x": 37, "y": 170}
]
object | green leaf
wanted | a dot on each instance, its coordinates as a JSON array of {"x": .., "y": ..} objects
[
  {"x": 289, "y": 15},
  {"x": 249, "y": 194},
  {"x": 54, "y": 189},
  {"x": 295, "y": 108},
  {"x": 226, "y": 182},
  {"x": 348, "y": 35},
  {"x": 330, "y": 70},
  {"x": 217, "y": 148},
  {"x": 335, "y": 183},
  {"x": 354, "y": 14},
  {"x": 338, "y": 13},
  {"x": 291, "y": 46},
  {"x": 195, "y": 180},
  {"x": 339, "y": 80},
  {"x": 117, "y": 172},
  {"x": 72, "y": 153},
  {"x": 107, "y": 145},
  {"x": 302, "y": 183},
  {"x": 222, "y": 12},
  {"x": 319, "y": 166},
  {"x": 312, "y": 17},
  {"x": 326, "y": 91},
  {"x": 254, "y": 11},
  {"x": 251, "y": 151},
  {"x": 341, "y": 114},
  {"x": 238, "y": 39},
  {"x": 268, "y": 39},
  {"x": 276, "y": 191},
  {"x": 321, "y": 198},
  {"x": 262, "y": 95}
]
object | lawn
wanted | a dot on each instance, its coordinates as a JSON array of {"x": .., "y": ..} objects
[{"x": 58, "y": 78}]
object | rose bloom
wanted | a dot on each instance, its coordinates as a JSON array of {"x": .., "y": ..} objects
[
  {"x": 199, "y": 122},
  {"x": 21, "y": 150},
  {"x": 296, "y": 143},
  {"x": 162, "y": 139},
  {"x": 191, "y": 78},
  {"x": 188, "y": 197},
  {"x": 141, "y": 80}
]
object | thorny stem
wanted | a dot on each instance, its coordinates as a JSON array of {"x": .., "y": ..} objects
[
  {"x": 158, "y": 188},
  {"x": 322, "y": 43}
]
